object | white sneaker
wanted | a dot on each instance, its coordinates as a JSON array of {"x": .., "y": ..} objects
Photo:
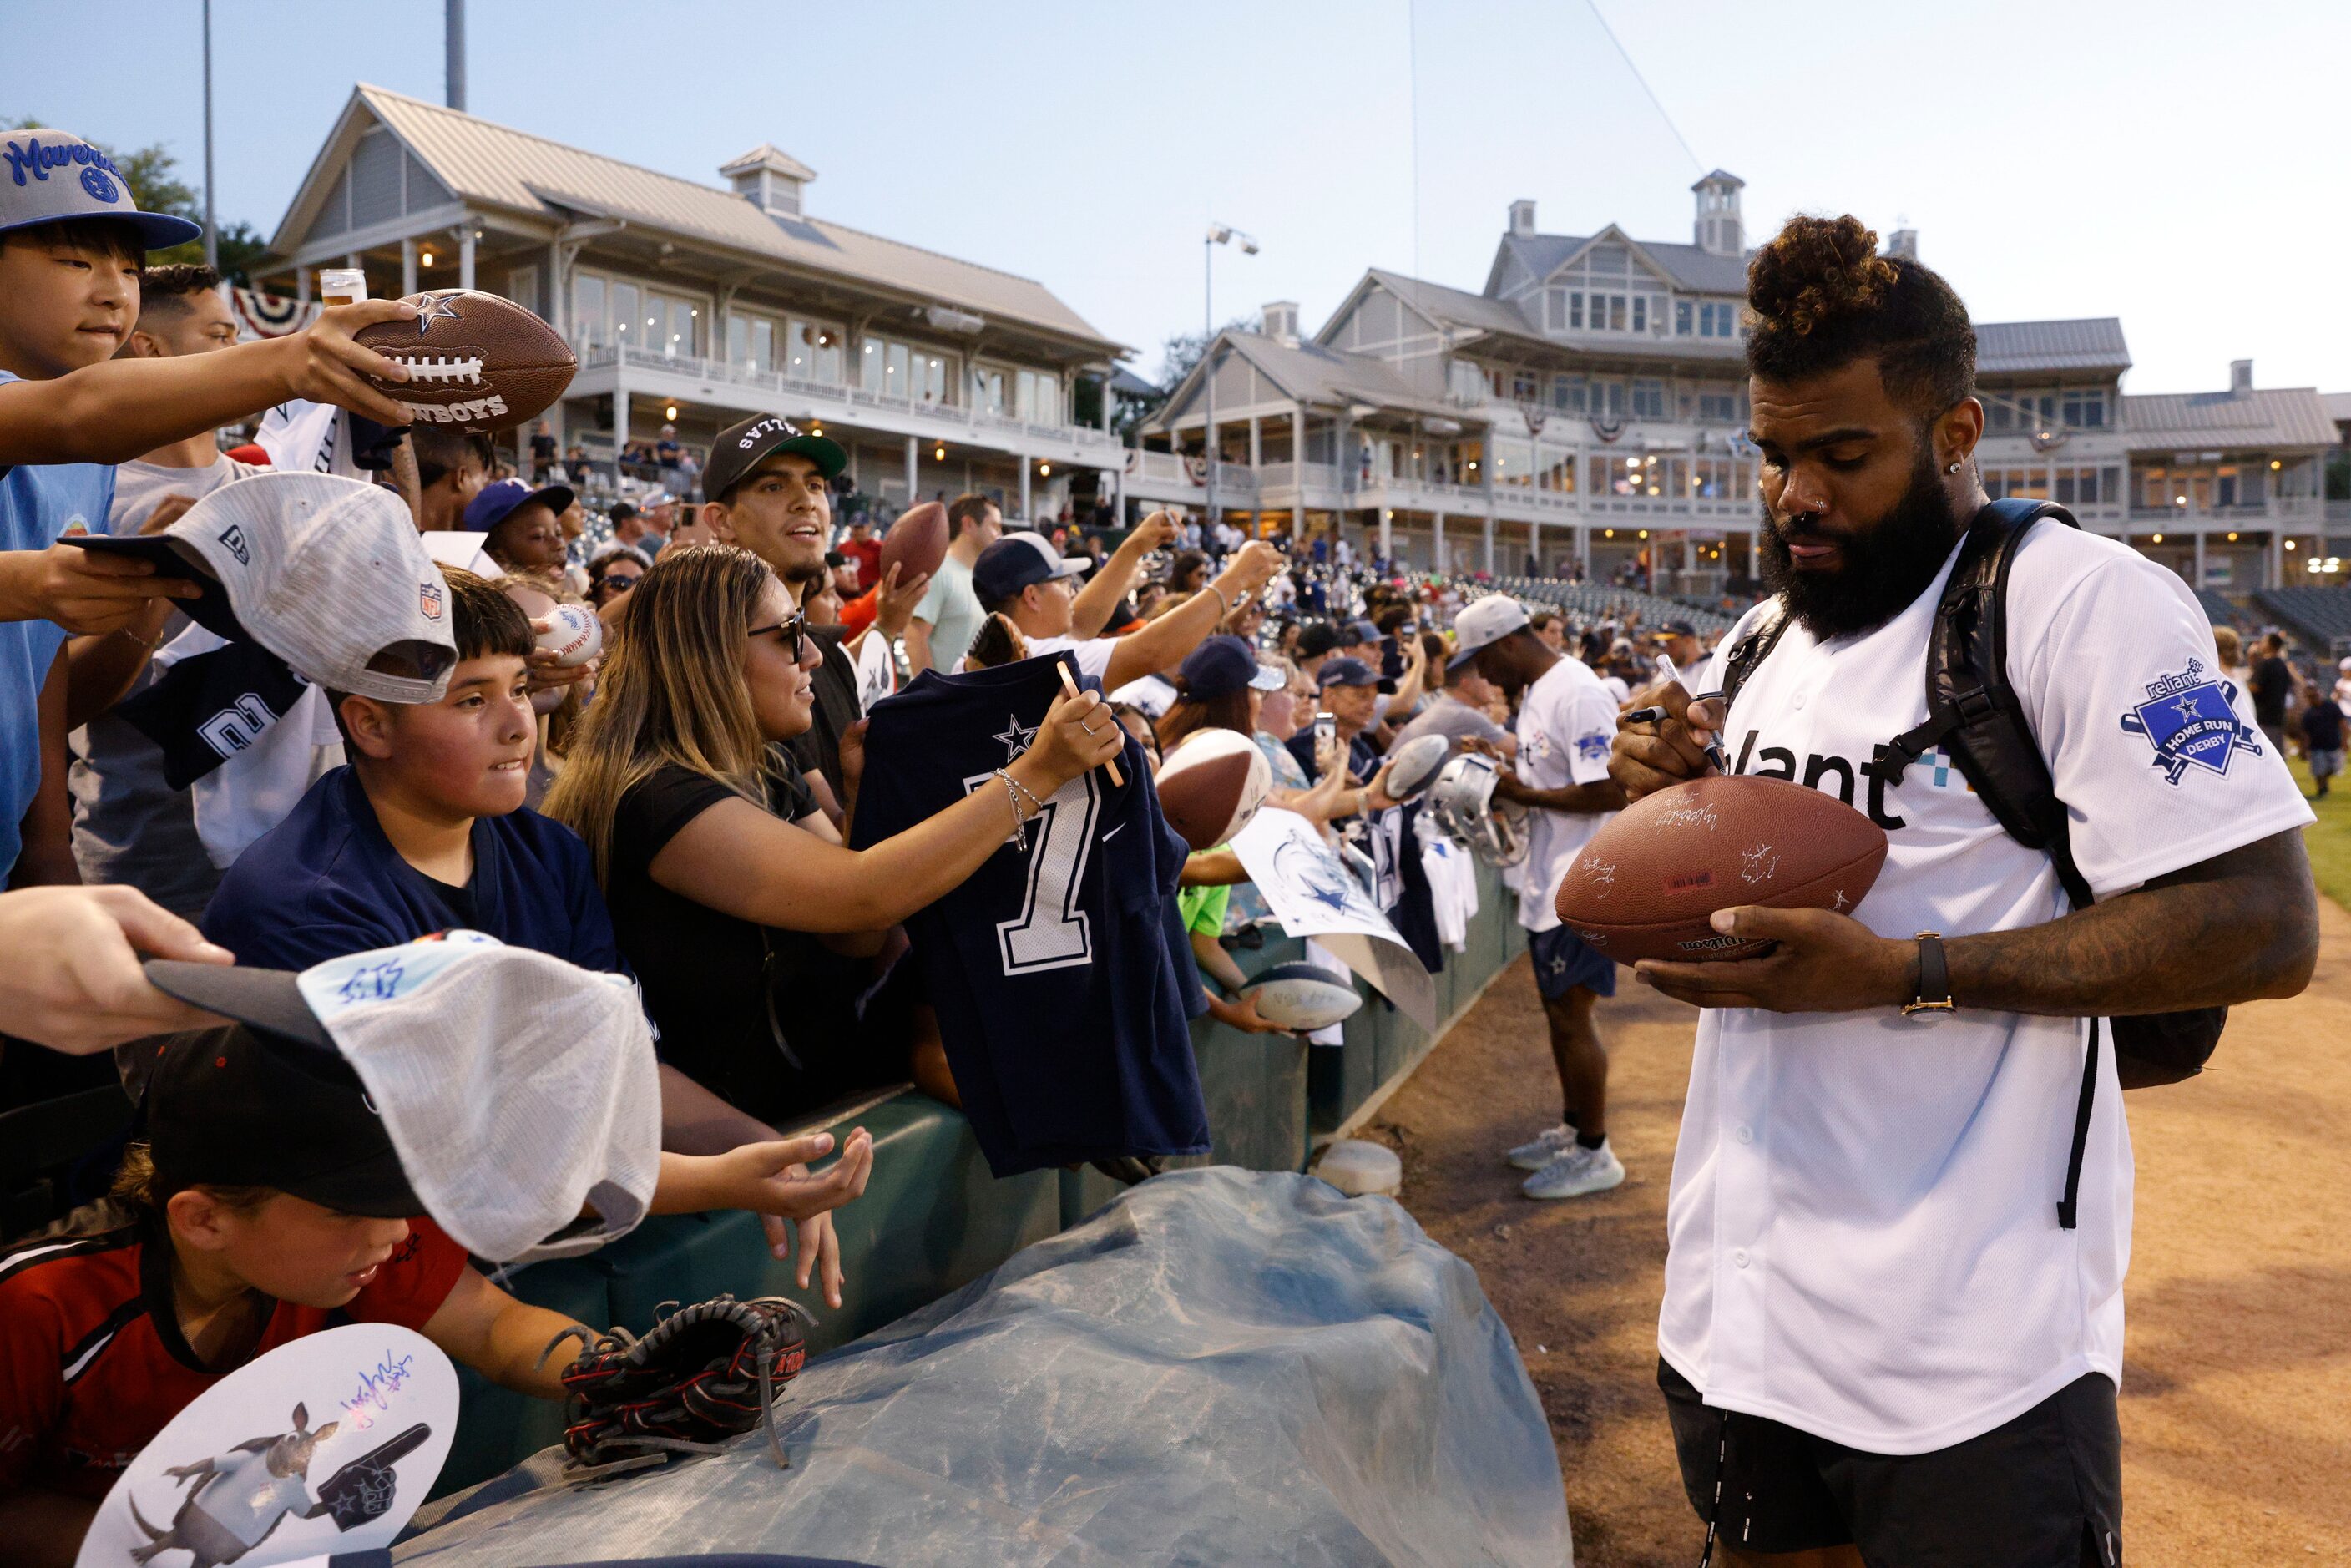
[
  {"x": 1547, "y": 1146},
  {"x": 1575, "y": 1173}
]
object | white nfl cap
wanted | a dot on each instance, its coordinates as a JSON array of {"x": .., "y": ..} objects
[
  {"x": 515, "y": 1087},
  {"x": 1487, "y": 620},
  {"x": 325, "y": 572}
]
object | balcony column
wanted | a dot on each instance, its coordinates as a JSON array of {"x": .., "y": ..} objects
[
  {"x": 1024, "y": 477},
  {"x": 2277, "y": 573},
  {"x": 620, "y": 411},
  {"x": 1584, "y": 547},
  {"x": 1387, "y": 533},
  {"x": 407, "y": 267},
  {"x": 2198, "y": 583},
  {"x": 1754, "y": 567},
  {"x": 466, "y": 255},
  {"x": 1436, "y": 542},
  {"x": 1105, "y": 403},
  {"x": 302, "y": 285},
  {"x": 1487, "y": 543},
  {"x": 558, "y": 293},
  {"x": 1256, "y": 449},
  {"x": 911, "y": 458}
]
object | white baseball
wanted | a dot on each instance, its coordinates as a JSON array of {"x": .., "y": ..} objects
[{"x": 574, "y": 636}]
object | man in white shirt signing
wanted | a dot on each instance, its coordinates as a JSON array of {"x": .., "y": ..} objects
[{"x": 1883, "y": 1339}]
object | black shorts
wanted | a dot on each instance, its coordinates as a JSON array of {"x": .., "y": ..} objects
[{"x": 2043, "y": 1491}]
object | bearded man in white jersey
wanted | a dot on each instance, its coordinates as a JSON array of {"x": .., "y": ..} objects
[{"x": 1884, "y": 1339}]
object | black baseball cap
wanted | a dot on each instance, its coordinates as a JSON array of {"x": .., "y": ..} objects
[
  {"x": 1346, "y": 671},
  {"x": 744, "y": 445},
  {"x": 1319, "y": 637},
  {"x": 1223, "y": 665},
  {"x": 266, "y": 1102}
]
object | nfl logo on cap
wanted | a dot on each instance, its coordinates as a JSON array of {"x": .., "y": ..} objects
[{"x": 428, "y": 599}]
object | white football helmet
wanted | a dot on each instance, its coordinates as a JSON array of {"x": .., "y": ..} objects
[{"x": 1462, "y": 802}]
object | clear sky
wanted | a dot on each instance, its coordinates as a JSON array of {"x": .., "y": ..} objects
[{"x": 2176, "y": 165}]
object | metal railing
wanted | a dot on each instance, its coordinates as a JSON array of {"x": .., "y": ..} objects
[{"x": 747, "y": 376}]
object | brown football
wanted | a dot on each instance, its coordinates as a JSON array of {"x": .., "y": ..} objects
[
  {"x": 1646, "y": 885},
  {"x": 1211, "y": 785},
  {"x": 476, "y": 361},
  {"x": 917, "y": 543}
]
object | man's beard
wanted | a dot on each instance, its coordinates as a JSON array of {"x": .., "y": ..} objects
[{"x": 1881, "y": 570}]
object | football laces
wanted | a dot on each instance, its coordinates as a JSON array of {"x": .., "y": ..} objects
[{"x": 449, "y": 370}]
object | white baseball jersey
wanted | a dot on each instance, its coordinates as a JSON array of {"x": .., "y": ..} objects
[
  {"x": 1092, "y": 654},
  {"x": 1863, "y": 1219},
  {"x": 1567, "y": 722}
]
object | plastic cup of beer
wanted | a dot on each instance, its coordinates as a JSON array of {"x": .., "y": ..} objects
[{"x": 342, "y": 285}]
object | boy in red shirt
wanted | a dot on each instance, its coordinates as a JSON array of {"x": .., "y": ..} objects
[{"x": 268, "y": 1199}]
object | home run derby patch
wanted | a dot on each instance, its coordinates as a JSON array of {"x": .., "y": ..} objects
[{"x": 2189, "y": 721}]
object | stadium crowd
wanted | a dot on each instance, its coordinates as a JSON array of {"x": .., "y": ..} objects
[{"x": 683, "y": 810}]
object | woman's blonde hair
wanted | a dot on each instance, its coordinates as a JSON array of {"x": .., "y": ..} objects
[{"x": 671, "y": 692}]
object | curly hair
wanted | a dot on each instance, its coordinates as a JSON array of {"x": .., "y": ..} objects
[{"x": 1820, "y": 297}]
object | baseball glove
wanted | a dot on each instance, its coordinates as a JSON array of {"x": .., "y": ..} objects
[{"x": 698, "y": 1376}]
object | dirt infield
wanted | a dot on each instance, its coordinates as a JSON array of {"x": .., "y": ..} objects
[{"x": 2236, "y": 1368}]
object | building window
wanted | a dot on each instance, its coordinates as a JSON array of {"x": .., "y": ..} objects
[
  {"x": 987, "y": 386},
  {"x": 1608, "y": 400},
  {"x": 1041, "y": 397},
  {"x": 1616, "y": 312},
  {"x": 1648, "y": 398},
  {"x": 1575, "y": 310},
  {"x": 1525, "y": 387},
  {"x": 814, "y": 351},
  {"x": 1715, "y": 319},
  {"x": 1567, "y": 392},
  {"x": 1682, "y": 313},
  {"x": 751, "y": 343},
  {"x": 1717, "y": 408},
  {"x": 2085, "y": 408},
  {"x": 589, "y": 329},
  {"x": 1640, "y": 312}
]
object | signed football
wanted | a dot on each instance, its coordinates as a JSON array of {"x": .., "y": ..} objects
[
  {"x": 476, "y": 361},
  {"x": 917, "y": 543},
  {"x": 1412, "y": 766},
  {"x": 1211, "y": 785},
  {"x": 1646, "y": 885},
  {"x": 1303, "y": 995}
]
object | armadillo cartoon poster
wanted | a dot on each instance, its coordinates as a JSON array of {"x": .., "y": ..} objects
[{"x": 320, "y": 1448}]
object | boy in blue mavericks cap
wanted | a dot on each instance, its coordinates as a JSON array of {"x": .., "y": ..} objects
[{"x": 73, "y": 243}]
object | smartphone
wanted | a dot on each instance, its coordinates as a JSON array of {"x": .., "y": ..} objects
[{"x": 1326, "y": 738}]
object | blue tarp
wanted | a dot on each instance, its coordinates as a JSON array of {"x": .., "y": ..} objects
[{"x": 1222, "y": 1366}]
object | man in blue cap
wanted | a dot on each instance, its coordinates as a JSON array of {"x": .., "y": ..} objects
[
  {"x": 1023, "y": 578},
  {"x": 73, "y": 243}
]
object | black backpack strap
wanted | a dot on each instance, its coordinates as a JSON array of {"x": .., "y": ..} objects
[
  {"x": 1974, "y": 713},
  {"x": 1751, "y": 651}
]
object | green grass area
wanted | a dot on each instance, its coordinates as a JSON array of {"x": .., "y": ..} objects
[{"x": 2329, "y": 838}]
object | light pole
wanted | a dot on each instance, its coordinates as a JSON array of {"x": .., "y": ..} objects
[
  {"x": 212, "y": 229},
  {"x": 1218, "y": 233}
]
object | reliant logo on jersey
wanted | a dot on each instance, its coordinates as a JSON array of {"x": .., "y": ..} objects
[
  {"x": 2192, "y": 722},
  {"x": 1829, "y": 773}
]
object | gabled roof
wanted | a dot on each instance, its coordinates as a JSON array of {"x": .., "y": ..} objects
[
  {"x": 2093, "y": 343},
  {"x": 1699, "y": 271},
  {"x": 1460, "y": 311},
  {"x": 2264, "y": 418},
  {"x": 492, "y": 166},
  {"x": 767, "y": 155},
  {"x": 2338, "y": 405},
  {"x": 1314, "y": 375}
]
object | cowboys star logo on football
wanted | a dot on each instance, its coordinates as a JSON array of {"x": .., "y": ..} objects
[{"x": 2191, "y": 722}]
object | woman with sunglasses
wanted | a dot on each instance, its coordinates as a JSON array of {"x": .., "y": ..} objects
[{"x": 749, "y": 924}]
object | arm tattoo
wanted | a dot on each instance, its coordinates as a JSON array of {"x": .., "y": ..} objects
[{"x": 2240, "y": 926}]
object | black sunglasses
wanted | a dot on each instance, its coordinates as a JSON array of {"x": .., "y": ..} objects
[{"x": 793, "y": 629}]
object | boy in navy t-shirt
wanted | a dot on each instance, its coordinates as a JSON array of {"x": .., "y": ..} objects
[{"x": 425, "y": 830}]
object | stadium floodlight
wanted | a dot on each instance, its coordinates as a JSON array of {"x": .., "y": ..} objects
[{"x": 1218, "y": 233}]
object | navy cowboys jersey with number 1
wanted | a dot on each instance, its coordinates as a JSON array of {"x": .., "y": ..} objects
[{"x": 1054, "y": 971}]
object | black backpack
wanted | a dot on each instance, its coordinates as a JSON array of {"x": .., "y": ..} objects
[{"x": 1973, "y": 714}]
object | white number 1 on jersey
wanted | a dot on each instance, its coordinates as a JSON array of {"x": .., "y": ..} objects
[{"x": 1051, "y": 932}]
